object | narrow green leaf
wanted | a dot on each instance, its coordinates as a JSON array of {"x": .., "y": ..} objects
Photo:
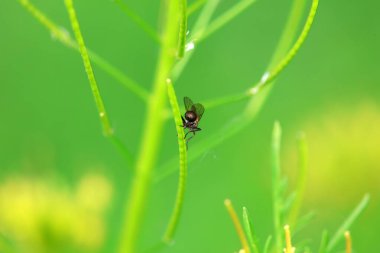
[
  {"x": 324, "y": 242},
  {"x": 347, "y": 223},
  {"x": 303, "y": 221},
  {"x": 287, "y": 203},
  {"x": 267, "y": 244},
  {"x": 173, "y": 223},
  {"x": 301, "y": 182},
  {"x": 195, "y": 6},
  {"x": 249, "y": 231},
  {"x": 140, "y": 22},
  {"x": 226, "y": 17},
  {"x": 62, "y": 36}
]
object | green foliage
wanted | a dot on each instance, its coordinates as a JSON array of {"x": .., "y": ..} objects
[
  {"x": 173, "y": 58},
  {"x": 168, "y": 236},
  {"x": 278, "y": 198},
  {"x": 347, "y": 223}
]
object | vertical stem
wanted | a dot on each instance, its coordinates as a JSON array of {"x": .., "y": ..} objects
[
  {"x": 174, "y": 219},
  {"x": 146, "y": 160},
  {"x": 276, "y": 177},
  {"x": 182, "y": 28},
  {"x": 301, "y": 182}
]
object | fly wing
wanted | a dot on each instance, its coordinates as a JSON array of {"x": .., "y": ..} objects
[
  {"x": 188, "y": 103},
  {"x": 199, "y": 110}
]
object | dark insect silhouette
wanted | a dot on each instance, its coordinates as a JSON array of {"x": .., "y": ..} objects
[{"x": 192, "y": 117}]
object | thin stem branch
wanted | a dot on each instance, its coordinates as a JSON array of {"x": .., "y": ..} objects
[
  {"x": 195, "y": 6},
  {"x": 267, "y": 244},
  {"x": 62, "y": 36},
  {"x": 293, "y": 51},
  {"x": 301, "y": 182},
  {"x": 347, "y": 223},
  {"x": 258, "y": 96},
  {"x": 324, "y": 242},
  {"x": 173, "y": 223},
  {"x": 226, "y": 17},
  {"x": 152, "y": 135},
  {"x": 107, "y": 129},
  {"x": 106, "y": 125},
  {"x": 147, "y": 28},
  {"x": 238, "y": 227}
]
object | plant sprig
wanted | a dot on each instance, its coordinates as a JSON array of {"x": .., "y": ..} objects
[
  {"x": 62, "y": 36},
  {"x": 106, "y": 125},
  {"x": 152, "y": 134},
  {"x": 173, "y": 223},
  {"x": 347, "y": 223},
  {"x": 258, "y": 93},
  {"x": 139, "y": 21}
]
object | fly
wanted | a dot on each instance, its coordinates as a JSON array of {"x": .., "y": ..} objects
[{"x": 192, "y": 117}]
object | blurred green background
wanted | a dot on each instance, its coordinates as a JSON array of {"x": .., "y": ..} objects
[{"x": 62, "y": 184}]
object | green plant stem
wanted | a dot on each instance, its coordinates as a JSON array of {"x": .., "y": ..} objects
[
  {"x": 197, "y": 31},
  {"x": 276, "y": 181},
  {"x": 297, "y": 45},
  {"x": 119, "y": 76},
  {"x": 173, "y": 223},
  {"x": 182, "y": 29},
  {"x": 301, "y": 182},
  {"x": 152, "y": 135},
  {"x": 324, "y": 242},
  {"x": 226, "y": 17},
  {"x": 107, "y": 129},
  {"x": 347, "y": 223},
  {"x": 62, "y": 36},
  {"x": 148, "y": 29},
  {"x": 258, "y": 95},
  {"x": 202, "y": 26},
  {"x": 273, "y": 69},
  {"x": 267, "y": 244}
]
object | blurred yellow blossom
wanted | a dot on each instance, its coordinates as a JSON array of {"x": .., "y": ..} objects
[
  {"x": 41, "y": 215},
  {"x": 344, "y": 154}
]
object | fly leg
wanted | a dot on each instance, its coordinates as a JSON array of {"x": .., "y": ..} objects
[
  {"x": 183, "y": 122},
  {"x": 192, "y": 131}
]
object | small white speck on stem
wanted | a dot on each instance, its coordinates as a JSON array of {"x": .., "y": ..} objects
[
  {"x": 189, "y": 46},
  {"x": 265, "y": 77},
  {"x": 254, "y": 90}
]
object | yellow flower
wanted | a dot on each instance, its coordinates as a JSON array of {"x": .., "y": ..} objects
[{"x": 44, "y": 215}]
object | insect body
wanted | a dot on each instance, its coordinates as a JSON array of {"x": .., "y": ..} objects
[{"x": 192, "y": 117}]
